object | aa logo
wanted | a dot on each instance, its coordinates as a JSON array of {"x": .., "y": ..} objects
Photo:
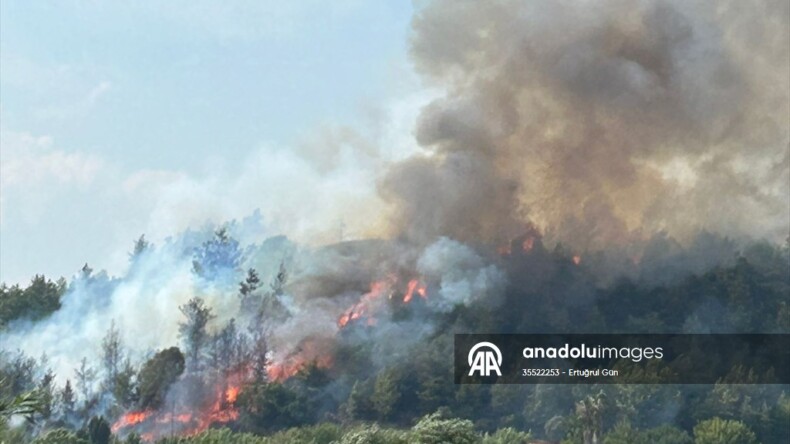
[{"x": 485, "y": 358}]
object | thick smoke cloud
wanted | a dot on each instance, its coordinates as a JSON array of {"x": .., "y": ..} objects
[
  {"x": 462, "y": 275},
  {"x": 599, "y": 121}
]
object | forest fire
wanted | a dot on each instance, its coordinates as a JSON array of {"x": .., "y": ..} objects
[
  {"x": 367, "y": 303},
  {"x": 317, "y": 351},
  {"x": 220, "y": 407},
  {"x": 282, "y": 371},
  {"x": 130, "y": 419},
  {"x": 231, "y": 394},
  {"x": 156, "y": 424},
  {"x": 415, "y": 286}
]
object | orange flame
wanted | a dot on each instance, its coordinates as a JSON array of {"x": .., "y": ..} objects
[
  {"x": 130, "y": 419},
  {"x": 282, "y": 371},
  {"x": 415, "y": 286},
  {"x": 231, "y": 394},
  {"x": 366, "y": 306},
  {"x": 362, "y": 308},
  {"x": 221, "y": 409},
  {"x": 316, "y": 351}
]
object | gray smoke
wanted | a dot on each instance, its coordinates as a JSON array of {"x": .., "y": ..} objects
[{"x": 599, "y": 121}]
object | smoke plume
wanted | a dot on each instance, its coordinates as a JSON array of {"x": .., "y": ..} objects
[{"x": 598, "y": 121}]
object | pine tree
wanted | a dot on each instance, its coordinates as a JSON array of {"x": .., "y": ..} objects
[
  {"x": 247, "y": 288},
  {"x": 85, "y": 377},
  {"x": 67, "y": 399},
  {"x": 217, "y": 257},
  {"x": 250, "y": 284},
  {"x": 590, "y": 412},
  {"x": 223, "y": 347},
  {"x": 193, "y": 330},
  {"x": 358, "y": 405},
  {"x": 46, "y": 390},
  {"x": 124, "y": 389},
  {"x": 386, "y": 394},
  {"x": 112, "y": 356},
  {"x": 140, "y": 246},
  {"x": 98, "y": 431},
  {"x": 86, "y": 271}
]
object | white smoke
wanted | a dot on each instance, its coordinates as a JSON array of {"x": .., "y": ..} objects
[{"x": 463, "y": 276}]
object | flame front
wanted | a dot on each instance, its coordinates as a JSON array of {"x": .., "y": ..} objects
[
  {"x": 130, "y": 419},
  {"x": 231, "y": 394},
  {"x": 156, "y": 424},
  {"x": 415, "y": 286},
  {"x": 366, "y": 302},
  {"x": 370, "y": 302},
  {"x": 221, "y": 407}
]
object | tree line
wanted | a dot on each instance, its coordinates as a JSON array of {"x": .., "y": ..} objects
[{"x": 413, "y": 399}]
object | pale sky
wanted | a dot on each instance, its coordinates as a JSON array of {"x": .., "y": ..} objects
[{"x": 115, "y": 114}]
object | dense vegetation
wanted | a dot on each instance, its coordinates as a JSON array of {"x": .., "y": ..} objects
[
  {"x": 40, "y": 298},
  {"x": 411, "y": 397}
]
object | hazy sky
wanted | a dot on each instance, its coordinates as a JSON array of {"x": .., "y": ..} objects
[{"x": 106, "y": 106}]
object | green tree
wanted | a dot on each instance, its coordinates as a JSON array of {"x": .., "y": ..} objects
[
  {"x": 38, "y": 300},
  {"x": 590, "y": 413},
  {"x": 507, "y": 435},
  {"x": 218, "y": 257},
  {"x": 67, "y": 400},
  {"x": 26, "y": 404},
  {"x": 666, "y": 434},
  {"x": 373, "y": 434},
  {"x": 112, "y": 356},
  {"x": 386, "y": 394},
  {"x": 124, "y": 388},
  {"x": 193, "y": 330},
  {"x": 358, "y": 405},
  {"x": 85, "y": 376},
  {"x": 267, "y": 407},
  {"x": 140, "y": 246},
  {"x": 222, "y": 349},
  {"x": 433, "y": 429},
  {"x": 156, "y": 376},
  {"x": 133, "y": 438},
  {"x": 60, "y": 436},
  {"x": 723, "y": 431},
  {"x": 623, "y": 433},
  {"x": 46, "y": 390},
  {"x": 98, "y": 431},
  {"x": 247, "y": 289}
]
